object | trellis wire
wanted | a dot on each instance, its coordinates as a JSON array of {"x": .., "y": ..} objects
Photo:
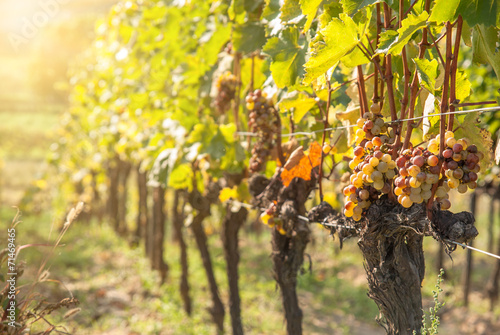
[
  {"x": 326, "y": 224},
  {"x": 480, "y": 110}
]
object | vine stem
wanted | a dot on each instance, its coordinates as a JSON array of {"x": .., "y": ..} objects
[
  {"x": 489, "y": 102},
  {"x": 406, "y": 92},
  {"x": 444, "y": 109},
  {"x": 453, "y": 75},
  {"x": 362, "y": 91},
  {"x": 325, "y": 125},
  {"x": 376, "y": 97},
  {"x": 414, "y": 85},
  {"x": 237, "y": 73},
  {"x": 388, "y": 68}
]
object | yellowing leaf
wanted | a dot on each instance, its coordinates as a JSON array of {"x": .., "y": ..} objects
[{"x": 228, "y": 193}]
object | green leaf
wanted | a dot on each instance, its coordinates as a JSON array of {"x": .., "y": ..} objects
[
  {"x": 252, "y": 5},
  {"x": 476, "y": 12},
  {"x": 228, "y": 131},
  {"x": 329, "y": 46},
  {"x": 393, "y": 43},
  {"x": 352, "y": 6},
  {"x": 272, "y": 9},
  {"x": 300, "y": 102},
  {"x": 484, "y": 47},
  {"x": 249, "y": 37},
  {"x": 217, "y": 147},
  {"x": 330, "y": 11},
  {"x": 473, "y": 11},
  {"x": 290, "y": 10},
  {"x": 181, "y": 177},
  {"x": 444, "y": 10},
  {"x": 309, "y": 8},
  {"x": 427, "y": 73},
  {"x": 463, "y": 86},
  {"x": 288, "y": 57},
  {"x": 355, "y": 57}
]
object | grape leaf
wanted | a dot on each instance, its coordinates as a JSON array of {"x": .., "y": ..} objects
[
  {"x": 393, "y": 43},
  {"x": 427, "y": 73},
  {"x": 300, "y": 102},
  {"x": 288, "y": 57},
  {"x": 352, "y": 6},
  {"x": 309, "y": 8},
  {"x": 228, "y": 193},
  {"x": 290, "y": 10},
  {"x": 300, "y": 165},
  {"x": 329, "y": 45},
  {"x": 463, "y": 86},
  {"x": 484, "y": 47},
  {"x": 249, "y": 37},
  {"x": 473, "y": 11},
  {"x": 181, "y": 177},
  {"x": 480, "y": 137}
]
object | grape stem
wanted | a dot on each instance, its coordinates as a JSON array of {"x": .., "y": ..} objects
[
  {"x": 388, "y": 68},
  {"x": 454, "y": 66},
  {"x": 237, "y": 73},
  {"x": 325, "y": 125},
  {"x": 415, "y": 84},
  {"x": 407, "y": 74},
  {"x": 362, "y": 92}
]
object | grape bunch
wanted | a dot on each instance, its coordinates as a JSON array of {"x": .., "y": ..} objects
[
  {"x": 418, "y": 171},
  {"x": 261, "y": 121},
  {"x": 226, "y": 90},
  {"x": 461, "y": 163},
  {"x": 371, "y": 125},
  {"x": 373, "y": 173}
]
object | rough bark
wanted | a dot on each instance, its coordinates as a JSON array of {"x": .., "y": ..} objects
[
  {"x": 178, "y": 220},
  {"x": 390, "y": 238},
  {"x": 492, "y": 288},
  {"x": 112, "y": 204},
  {"x": 124, "y": 169},
  {"x": 158, "y": 262},
  {"x": 231, "y": 225},
  {"x": 288, "y": 250},
  {"x": 202, "y": 205},
  {"x": 468, "y": 266},
  {"x": 142, "y": 207}
]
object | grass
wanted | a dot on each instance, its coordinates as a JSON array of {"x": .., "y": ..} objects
[{"x": 95, "y": 265}]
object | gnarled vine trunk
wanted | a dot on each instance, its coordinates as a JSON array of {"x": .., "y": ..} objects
[
  {"x": 158, "y": 235},
  {"x": 124, "y": 169},
  {"x": 391, "y": 239},
  {"x": 202, "y": 205},
  {"x": 142, "y": 207},
  {"x": 178, "y": 220},
  {"x": 288, "y": 249},
  {"x": 231, "y": 225}
]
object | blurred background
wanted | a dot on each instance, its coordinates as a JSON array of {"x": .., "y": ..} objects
[
  {"x": 39, "y": 40},
  {"x": 118, "y": 292}
]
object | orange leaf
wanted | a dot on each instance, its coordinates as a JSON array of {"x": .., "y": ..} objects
[
  {"x": 300, "y": 165},
  {"x": 315, "y": 153}
]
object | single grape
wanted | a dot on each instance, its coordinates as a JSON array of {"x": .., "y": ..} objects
[
  {"x": 358, "y": 151},
  {"x": 360, "y": 122},
  {"x": 457, "y": 148},
  {"x": 472, "y": 176},
  {"x": 390, "y": 174},
  {"x": 368, "y": 124},
  {"x": 472, "y": 185},
  {"x": 377, "y": 141},
  {"x": 414, "y": 182},
  {"x": 426, "y": 186},
  {"x": 375, "y": 108},
  {"x": 378, "y": 154},
  {"x": 401, "y": 161},
  {"x": 327, "y": 148},
  {"x": 449, "y": 134},
  {"x": 398, "y": 191},
  {"x": 374, "y": 161},
  {"x": 450, "y": 142},
  {"x": 426, "y": 195},
  {"x": 377, "y": 176},
  {"x": 348, "y": 213},
  {"x": 404, "y": 172},
  {"x": 458, "y": 173},
  {"x": 382, "y": 167},
  {"x": 364, "y": 194},
  {"x": 414, "y": 170},
  {"x": 472, "y": 149},
  {"x": 440, "y": 192},
  {"x": 421, "y": 176},
  {"x": 453, "y": 183},
  {"x": 416, "y": 198},
  {"x": 433, "y": 160},
  {"x": 406, "y": 201},
  {"x": 462, "y": 188},
  {"x": 418, "y": 161},
  {"x": 448, "y": 153},
  {"x": 445, "y": 204}
]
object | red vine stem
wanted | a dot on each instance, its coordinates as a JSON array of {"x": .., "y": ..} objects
[
  {"x": 325, "y": 125},
  {"x": 237, "y": 73},
  {"x": 444, "y": 109},
  {"x": 489, "y": 102},
  {"x": 453, "y": 75},
  {"x": 388, "y": 69},
  {"x": 362, "y": 91},
  {"x": 407, "y": 74},
  {"x": 376, "y": 97},
  {"x": 414, "y": 85}
]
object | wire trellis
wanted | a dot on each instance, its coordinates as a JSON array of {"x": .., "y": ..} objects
[
  {"x": 327, "y": 224},
  {"x": 304, "y": 133}
]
